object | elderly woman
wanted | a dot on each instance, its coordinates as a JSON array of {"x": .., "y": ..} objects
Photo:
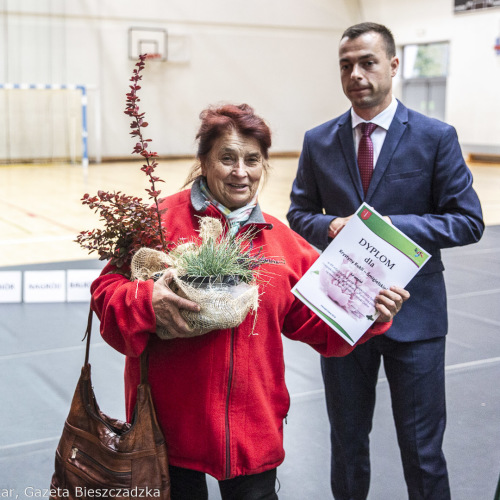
[{"x": 221, "y": 397}]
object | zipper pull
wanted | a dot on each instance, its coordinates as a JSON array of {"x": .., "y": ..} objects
[{"x": 74, "y": 451}]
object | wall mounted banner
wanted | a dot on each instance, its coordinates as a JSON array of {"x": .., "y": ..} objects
[
  {"x": 10, "y": 286},
  {"x": 72, "y": 285},
  {"x": 78, "y": 283},
  {"x": 469, "y": 5},
  {"x": 44, "y": 286}
]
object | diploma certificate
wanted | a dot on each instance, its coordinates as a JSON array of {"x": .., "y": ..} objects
[{"x": 368, "y": 255}]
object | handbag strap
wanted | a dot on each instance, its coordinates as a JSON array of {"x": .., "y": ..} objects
[{"x": 144, "y": 355}]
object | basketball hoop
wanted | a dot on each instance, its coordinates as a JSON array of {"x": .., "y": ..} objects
[{"x": 154, "y": 57}]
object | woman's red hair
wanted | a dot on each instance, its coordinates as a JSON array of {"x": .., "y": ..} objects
[{"x": 216, "y": 121}]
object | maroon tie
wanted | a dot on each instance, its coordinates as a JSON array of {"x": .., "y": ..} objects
[{"x": 365, "y": 154}]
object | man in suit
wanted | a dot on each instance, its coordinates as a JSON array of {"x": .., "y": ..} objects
[{"x": 421, "y": 184}]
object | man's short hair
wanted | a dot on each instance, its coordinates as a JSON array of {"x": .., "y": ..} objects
[{"x": 362, "y": 28}]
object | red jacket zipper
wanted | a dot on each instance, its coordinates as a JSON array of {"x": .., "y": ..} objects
[{"x": 229, "y": 383}]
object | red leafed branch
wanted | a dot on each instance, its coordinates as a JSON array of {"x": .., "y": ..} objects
[
  {"x": 128, "y": 222},
  {"x": 141, "y": 147}
]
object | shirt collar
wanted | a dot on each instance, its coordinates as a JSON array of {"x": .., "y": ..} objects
[{"x": 383, "y": 119}]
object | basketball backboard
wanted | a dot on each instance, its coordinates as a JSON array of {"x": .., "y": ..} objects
[{"x": 151, "y": 41}]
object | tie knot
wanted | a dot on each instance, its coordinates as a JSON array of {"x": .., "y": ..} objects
[{"x": 368, "y": 128}]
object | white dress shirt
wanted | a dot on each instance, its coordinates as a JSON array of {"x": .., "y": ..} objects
[{"x": 383, "y": 121}]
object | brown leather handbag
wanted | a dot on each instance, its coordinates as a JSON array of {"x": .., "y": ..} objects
[{"x": 99, "y": 456}]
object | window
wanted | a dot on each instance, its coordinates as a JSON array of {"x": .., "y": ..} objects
[
  {"x": 425, "y": 61},
  {"x": 425, "y": 68}
]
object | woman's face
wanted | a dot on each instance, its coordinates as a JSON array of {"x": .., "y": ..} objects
[{"x": 233, "y": 169}]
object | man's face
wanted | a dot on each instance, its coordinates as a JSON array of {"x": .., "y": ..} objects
[{"x": 366, "y": 73}]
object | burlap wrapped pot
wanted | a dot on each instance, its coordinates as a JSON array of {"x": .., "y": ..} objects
[{"x": 222, "y": 305}]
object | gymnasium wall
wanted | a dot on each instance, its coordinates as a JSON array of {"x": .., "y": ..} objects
[
  {"x": 472, "y": 100},
  {"x": 279, "y": 56}
]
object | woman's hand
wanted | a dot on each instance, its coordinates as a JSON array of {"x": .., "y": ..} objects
[
  {"x": 389, "y": 302},
  {"x": 167, "y": 306}
]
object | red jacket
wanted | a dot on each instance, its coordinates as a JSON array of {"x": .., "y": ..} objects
[{"x": 220, "y": 398}]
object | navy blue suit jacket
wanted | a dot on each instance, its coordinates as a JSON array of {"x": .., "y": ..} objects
[{"x": 420, "y": 181}]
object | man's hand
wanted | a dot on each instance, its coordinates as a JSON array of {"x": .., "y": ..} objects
[
  {"x": 167, "y": 306},
  {"x": 336, "y": 226},
  {"x": 389, "y": 302}
]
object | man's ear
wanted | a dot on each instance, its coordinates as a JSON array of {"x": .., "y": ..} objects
[{"x": 394, "y": 66}]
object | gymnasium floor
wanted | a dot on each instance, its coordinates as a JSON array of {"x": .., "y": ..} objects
[{"x": 41, "y": 351}]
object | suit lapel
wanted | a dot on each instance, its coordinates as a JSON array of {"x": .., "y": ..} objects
[
  {"x": 394, "y": 134},
  {"x": 346, "y": 140}
]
